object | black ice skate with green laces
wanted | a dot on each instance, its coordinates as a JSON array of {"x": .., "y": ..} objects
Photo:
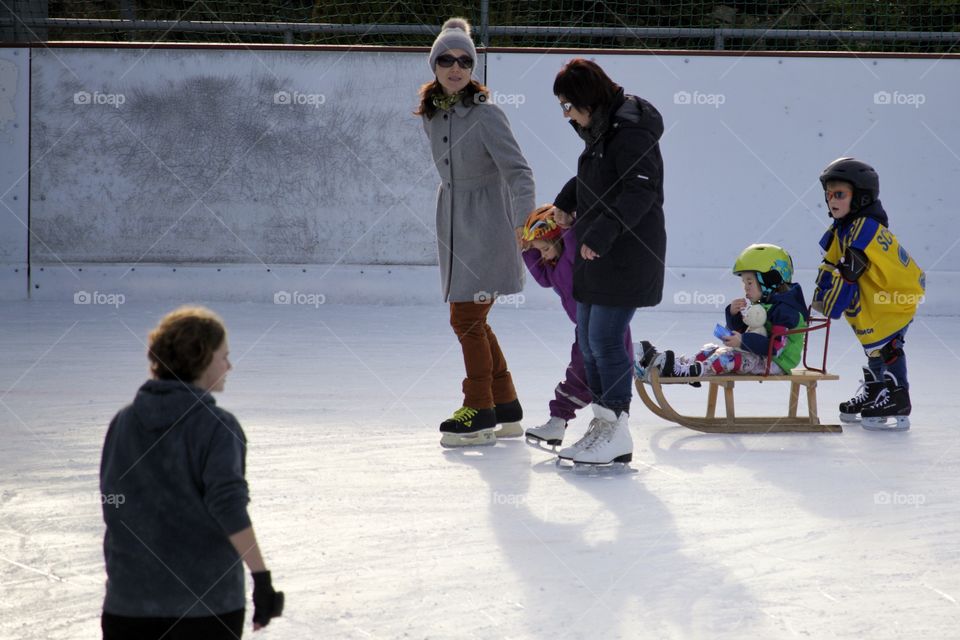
[{"x": 469, "y": 427}]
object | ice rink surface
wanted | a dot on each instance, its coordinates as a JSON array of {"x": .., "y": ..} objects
[{"x": 374, "y": 531}]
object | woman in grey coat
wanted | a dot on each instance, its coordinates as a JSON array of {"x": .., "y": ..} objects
[{"x": 485, "y": 194}]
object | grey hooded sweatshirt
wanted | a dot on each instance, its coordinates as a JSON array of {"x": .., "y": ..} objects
[{"x": 172, "y": 479}]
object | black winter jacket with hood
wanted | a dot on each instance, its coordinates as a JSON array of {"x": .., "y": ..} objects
[{"x": 618, "y": 196}]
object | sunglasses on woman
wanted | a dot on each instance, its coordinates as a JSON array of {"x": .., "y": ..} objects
[{"x": 446, "y": 61}]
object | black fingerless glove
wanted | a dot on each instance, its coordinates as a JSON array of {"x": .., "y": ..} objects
[{"x": 267, "y": 603}]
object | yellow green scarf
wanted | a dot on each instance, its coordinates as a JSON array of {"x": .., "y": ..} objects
[{"x": 447, "y": 101}]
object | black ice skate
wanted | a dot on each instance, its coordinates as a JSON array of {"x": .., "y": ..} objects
[
  {"x": 869, "y": 389},
  {"x": 893, "y": 401},
  {"x": 509, "y": 415},
  {"x": 644, "y": 357},
  {"x": 671, "y": 367},
  {"x": 469, "y": 427}
]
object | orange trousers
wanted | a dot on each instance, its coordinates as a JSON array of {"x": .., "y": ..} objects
[{"x": 488, "y": 381}]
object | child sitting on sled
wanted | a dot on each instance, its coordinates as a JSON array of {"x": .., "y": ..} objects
[{"x": 766, "y": 271}]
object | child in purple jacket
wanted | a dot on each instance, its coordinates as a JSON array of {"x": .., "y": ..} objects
[{"x": 549, "y": 246}]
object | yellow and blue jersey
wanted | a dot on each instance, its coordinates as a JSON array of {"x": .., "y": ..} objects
[{"x": 883, "y": 299}]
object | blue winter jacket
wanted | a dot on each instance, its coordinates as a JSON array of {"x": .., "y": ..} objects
[{"x": 785, "y": 312}]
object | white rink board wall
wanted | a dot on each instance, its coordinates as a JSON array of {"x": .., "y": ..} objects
[
  {"x": 14, "y": 159},
  {"x": 271, "y": 157},
  {"x": 282, "y": 157},
  {"x": 746, "y": 138}
]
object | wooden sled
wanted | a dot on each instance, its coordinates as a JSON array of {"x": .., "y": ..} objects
[{"x": 808, "y": 377}]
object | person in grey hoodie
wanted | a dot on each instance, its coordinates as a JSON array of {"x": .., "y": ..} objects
[
  {"x": 175, "y": 498},
  {"x": 486, "y": 192}
]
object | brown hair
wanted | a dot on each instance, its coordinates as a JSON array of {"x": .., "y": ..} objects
[
  {"x": 585, "y": 85},
  {"x": 433, "y": 88},
  {"x": 181, "y": 347}
]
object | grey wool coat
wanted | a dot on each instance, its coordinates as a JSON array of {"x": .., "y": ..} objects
[{"x": 486, "y": 191}]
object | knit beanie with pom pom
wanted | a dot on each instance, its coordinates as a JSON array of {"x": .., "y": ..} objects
[{"x": 455, "y": 34}]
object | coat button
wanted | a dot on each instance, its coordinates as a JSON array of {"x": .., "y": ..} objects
[
  {"x": 445, "y": 116},
  {"x": 444, "y": 138},
  {"x": 446, "y": 161}
]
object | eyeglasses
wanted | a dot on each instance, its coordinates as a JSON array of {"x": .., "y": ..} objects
[
  {"x": 836, "y": 195},
  {"x": 446, "y": 61},
  {"x": 566, "y": 107}
]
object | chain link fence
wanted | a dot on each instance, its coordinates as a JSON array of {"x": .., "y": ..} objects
[{"x": 814, "y": 25}]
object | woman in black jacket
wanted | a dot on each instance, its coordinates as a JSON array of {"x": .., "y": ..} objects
[{"x": 617, "y": 195}]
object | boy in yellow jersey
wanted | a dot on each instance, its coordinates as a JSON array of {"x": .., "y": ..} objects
[{"x": 870, "y": 278}]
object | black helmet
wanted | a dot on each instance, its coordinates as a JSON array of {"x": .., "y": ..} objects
[{"x": 861, "y": 176}]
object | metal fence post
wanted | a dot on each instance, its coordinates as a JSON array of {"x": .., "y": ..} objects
[
  {"x": 128, "y": 9},
  {"x": 484, "y": 32},
  {"x": 484, "y": 23}
]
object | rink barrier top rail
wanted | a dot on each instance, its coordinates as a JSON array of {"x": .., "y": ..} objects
[
  {"x": 485, "y": 30},
  {"x": 99, "y": 44}
]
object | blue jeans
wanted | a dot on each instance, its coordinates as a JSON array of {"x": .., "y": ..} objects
[
  {"x": 600, "y": 331},
  {"x": 898, "y": 367}
]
